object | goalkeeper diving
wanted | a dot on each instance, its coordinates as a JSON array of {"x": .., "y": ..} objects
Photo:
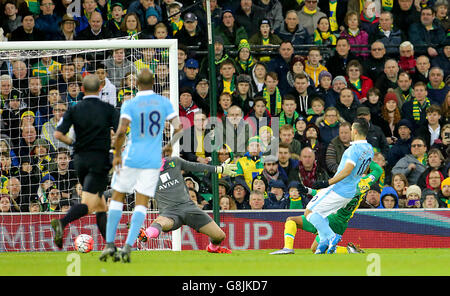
[
  {"x": 338, "y": 221},
  {"x": 176, "y": 207}
]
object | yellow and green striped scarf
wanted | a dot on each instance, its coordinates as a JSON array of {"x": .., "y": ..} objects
[
  {"x": 246, "y": 65},
  {"x": 176, "y": 26},
  {"x": 133, "y": 34},
  {"x": 417, "y": 109},
  {"x": 319, "y": 37},
  {"x": 33, "y": 6},
  {"x": 266, "y": 96},
  {"x": 387, "y": 5}
]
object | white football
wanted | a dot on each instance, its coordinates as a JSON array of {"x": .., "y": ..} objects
[{"x": 84, "y": 243}]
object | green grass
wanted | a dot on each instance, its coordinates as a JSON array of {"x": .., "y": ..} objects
[{"x": 397, "y": 262}]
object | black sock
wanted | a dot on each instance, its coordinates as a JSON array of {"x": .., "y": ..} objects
[
  {"x": 75, "y": 212},
  {"x": 101, "y": 223}
]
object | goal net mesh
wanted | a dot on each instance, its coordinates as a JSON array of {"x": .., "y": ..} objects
[{"x": 38, "y": 180}]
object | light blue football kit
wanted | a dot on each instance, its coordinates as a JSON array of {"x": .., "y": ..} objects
[
  {"x": 141, "y": 160},
  {"x": 360, "y": 153},
  {"x": 147, "y": 112},
  {"x": 330, "y": 199}
]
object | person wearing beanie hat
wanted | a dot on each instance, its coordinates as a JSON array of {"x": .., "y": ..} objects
[
  {"x": 429, "y": 199},
  {"x": 402, "y": 145},
  {"x": 444, "y": 194},
  {"x": 339, "y": 78},
  {"x": 413, "y": 195},
  {"x": 294, "y": 196},
  {"x": 312, "y": 137},
  {"x": 390, "y": 96},
  {"x": 244, "y": 59},
  {"x": 297, "y": 66},
  {"x": 27, "y": 31},
  {"x": 388, "y": 117},
  {"x": 264, "y": 37},
  {"x": 187, "y": 107},
  {"x": 405, "y": 123},
  {"x": 141, "y": 10},
  {"x": 250, "y": 164},
  {"x": 270, "y": 171},
  {"x": 151, "y": 11},
  {"x": 230, "y": 31},
  {"x": 243, "y": 95},
  {"x": 260, "y": 184},
  {"x": 41, "y": 156},
  {"x": 117, "y": 16},
  {"x": 325, "y": 74}
]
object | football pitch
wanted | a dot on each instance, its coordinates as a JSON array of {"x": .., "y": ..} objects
[{"x": 384, "y": 262}]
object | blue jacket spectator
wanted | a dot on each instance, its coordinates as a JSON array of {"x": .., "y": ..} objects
[
  {"x": 403, "y": 144},
  {"x": 424, "y": 39},
  {"x": 388, "y": 191},
  {"x": 281, "y": 64}
]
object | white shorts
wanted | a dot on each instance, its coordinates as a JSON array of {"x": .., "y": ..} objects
[
  {"x": 327, "y": 202},
  {"x": 128, "y": 180}
]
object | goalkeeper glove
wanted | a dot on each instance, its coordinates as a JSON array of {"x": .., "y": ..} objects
[
  {"x": 305, "y": 190},
  {"x": 320, "y": 184},
  {"x": 227, "y": 168}
]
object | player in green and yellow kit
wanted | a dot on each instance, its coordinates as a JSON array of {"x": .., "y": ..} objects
[{"x": 338, "y": 221}]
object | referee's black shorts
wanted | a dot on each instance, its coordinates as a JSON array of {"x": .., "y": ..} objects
[{"x": 92, "y": 170}]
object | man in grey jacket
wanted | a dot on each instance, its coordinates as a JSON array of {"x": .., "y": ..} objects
[
  {"x": 414, "y": 164},
  {"x": 309, "y": 15},
  {"x": 118, "y": 66}
]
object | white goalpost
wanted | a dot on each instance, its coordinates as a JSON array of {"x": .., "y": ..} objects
[{"x": 39, "y": 79}]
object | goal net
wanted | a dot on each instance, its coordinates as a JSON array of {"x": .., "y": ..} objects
[{"x": 39, "y": 81}]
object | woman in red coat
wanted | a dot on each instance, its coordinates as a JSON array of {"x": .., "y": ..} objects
[{"x": 357, "y": 82}]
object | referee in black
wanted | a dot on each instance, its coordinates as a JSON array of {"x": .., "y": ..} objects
[{"x": 92, "y": 120}]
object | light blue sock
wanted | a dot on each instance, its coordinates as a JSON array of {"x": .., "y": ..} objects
[
  {"x": 322, "y": 226},
  {"x": 137, "y": 219},
  {"x": 114, "y": 216}
]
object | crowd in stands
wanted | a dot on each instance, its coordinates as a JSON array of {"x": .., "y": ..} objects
[{"x": 291, "y": 77}]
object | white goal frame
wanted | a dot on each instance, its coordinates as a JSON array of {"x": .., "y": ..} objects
[{"x": 110, "y": 44}]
